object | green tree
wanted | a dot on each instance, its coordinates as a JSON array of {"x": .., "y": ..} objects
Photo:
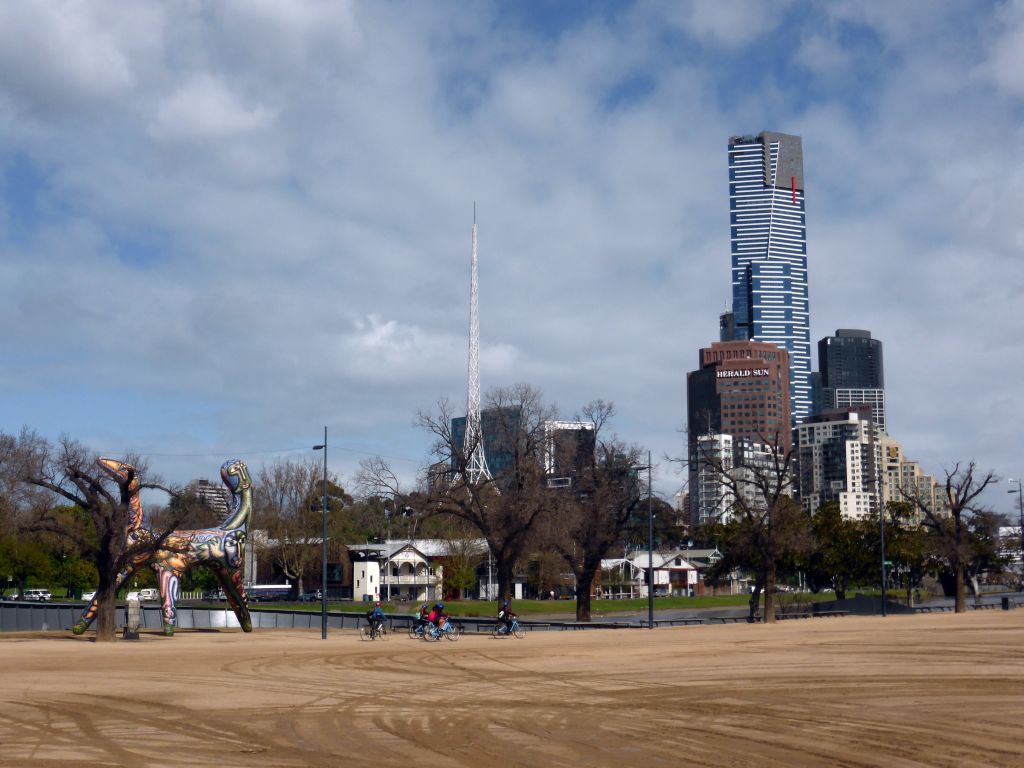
[
  {"x": 908, "y": 547},
  {"x": 26, "y": 561},
  {"x": 841, "y": 556}
]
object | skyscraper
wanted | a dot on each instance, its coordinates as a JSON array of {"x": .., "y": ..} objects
[
  {"x": 769, "y": 253},
  {"x": 850, "y": 365}
]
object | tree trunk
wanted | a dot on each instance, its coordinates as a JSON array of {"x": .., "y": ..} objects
[
  {"x": 755, "y": 601},
  {"x": 584, "y": 582},
  {"x": 106, "y": 595},
  {"x": 769, "y": 594},
  {"x": 975, "y": 590},
  {"x": 840, "y": 589},
  {"x": 106, "y": 617},
  {"x": 504, "y": 570},
  {"x": 961, "y": 588}
]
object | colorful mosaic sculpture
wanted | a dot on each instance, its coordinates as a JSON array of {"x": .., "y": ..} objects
[{"x": 221, "y": 549}]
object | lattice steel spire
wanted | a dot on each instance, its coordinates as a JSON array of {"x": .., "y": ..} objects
[{"x": 474, "y": 445}]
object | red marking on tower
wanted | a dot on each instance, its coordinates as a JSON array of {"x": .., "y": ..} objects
[{"x": 792, "y": 180}]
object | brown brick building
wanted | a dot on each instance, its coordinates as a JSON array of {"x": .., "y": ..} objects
[{"x": 741, "y": 389}]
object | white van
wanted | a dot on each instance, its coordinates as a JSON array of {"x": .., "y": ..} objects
[{"x": 37, "y": 595}]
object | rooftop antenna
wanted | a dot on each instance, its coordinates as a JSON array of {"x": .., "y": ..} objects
[{"x": 473, "y": 449}]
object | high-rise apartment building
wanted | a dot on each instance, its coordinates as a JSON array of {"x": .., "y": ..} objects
[
  {"x": 903, "y": 477},
  {"x": 851, "y": 370},
  {"x": 725, "y": 466},
  {"x": 769, "y": 253},
  {"x": 839, "y": 458}
]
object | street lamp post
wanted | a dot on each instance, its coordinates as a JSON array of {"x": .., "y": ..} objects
[
  {"x": 650, "y": 544},
  {"x": 323, "y": 546},
  {"x": 387, "y": 554},
  {"x": 1020, "y": 519}
]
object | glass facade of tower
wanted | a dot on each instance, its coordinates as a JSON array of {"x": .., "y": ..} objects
[
  {"x": 851, "y": 358},
  {"x": 769, "y": 253},
  {"x": 852, "y": 372}
]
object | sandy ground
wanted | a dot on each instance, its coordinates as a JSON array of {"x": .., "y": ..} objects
[{"x": 935, "y": 690}]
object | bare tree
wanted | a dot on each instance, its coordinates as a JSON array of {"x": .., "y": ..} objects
[
  {"x": 767, "y": 526},
  {"x": 288, "y": 504},
  {"x": 505, "y": 508},
  {"x": 68, "y": 473},
  {"x": 593, "y": 513},
  {"x": 950, "y": 527}
]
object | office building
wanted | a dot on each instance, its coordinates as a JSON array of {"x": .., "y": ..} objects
[
  {"x": 852, "y": 373},
  {"x": 500, "y": 428},
  {"x": 741, "y": 389},
  {"x": 568, "y": 449},
  {"x": 769, "y": 253},
  {"x": 737, "y": 409}
]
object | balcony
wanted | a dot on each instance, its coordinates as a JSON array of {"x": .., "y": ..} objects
[{"x": 424, "y": 579}]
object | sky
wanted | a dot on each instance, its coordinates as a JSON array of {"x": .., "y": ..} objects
[{"x": 227, "y": 225}]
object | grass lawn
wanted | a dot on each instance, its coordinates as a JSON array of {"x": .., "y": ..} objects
[{"x": 471, "y": 608}]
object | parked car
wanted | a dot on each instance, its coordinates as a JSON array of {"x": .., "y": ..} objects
[
  {"x": 37, "y": 595},
  {"x": 88, "y": 596},
  {"x": 149, "y": 595},
  {"x": 310, "y": 597}
]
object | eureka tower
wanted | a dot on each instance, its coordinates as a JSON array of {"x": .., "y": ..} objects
[{"x": 769, "y": 254}]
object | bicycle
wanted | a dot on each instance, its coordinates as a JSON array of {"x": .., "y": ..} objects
[
  {"x": 446, "y": 630},
  {"x": 417, "y": 631},
  {"x": 374, "y": 632},
  {"x": 502, "y": 630}
]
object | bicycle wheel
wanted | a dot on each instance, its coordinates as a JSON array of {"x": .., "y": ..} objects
[
  {"x": 413, "y": 634},
  {"x": 499, "y": 630},
  {"x": 451, "y": 633},
  {"x": 518, "y": 630},
  {"x": 364, "y": 633},
  {"x": 383, "y": 633}
]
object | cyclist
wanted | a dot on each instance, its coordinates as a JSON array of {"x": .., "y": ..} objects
[
  {"x": 437, "y": 615},
  {"x": 422, "y": 617},
  {"x": 506, "y": 616},
  {"x": 376, "y": 617}
]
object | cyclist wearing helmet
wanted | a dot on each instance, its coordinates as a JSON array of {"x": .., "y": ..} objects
[
  {"x": 376, "y": 616},
  {"x": 505, "y": 615},
  {"x": 437, "y": 614},
  {"x": 423, "y": 617}
]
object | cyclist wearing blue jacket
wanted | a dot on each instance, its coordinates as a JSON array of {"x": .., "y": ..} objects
[{"x": 377, "y": 616}]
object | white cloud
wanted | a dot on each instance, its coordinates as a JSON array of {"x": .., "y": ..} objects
[
  {"x": 63, "y": 56},
  {"x": 730, "y": 24},
  {"x": 205, "y": 108},
  {"x": 267, "y": 225},
  {"x": 1005, "y": 64}
]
